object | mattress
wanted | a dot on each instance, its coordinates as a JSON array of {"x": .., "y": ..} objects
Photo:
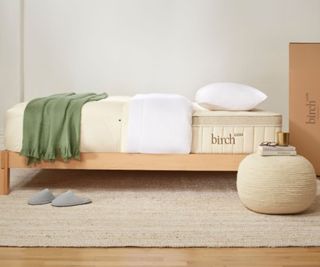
[
  {"x": 233, "y": 131},
  {"x": 104, "y": 128},
  {"x": 102, "y": 125}
]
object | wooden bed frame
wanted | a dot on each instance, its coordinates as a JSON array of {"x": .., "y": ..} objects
[{"x": 124, "y": 161}]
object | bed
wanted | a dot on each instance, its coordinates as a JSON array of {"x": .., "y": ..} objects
[{"x": 220, "y": 140}]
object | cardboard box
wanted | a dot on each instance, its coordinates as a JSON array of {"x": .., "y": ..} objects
[{"x": 304, "y": 100}]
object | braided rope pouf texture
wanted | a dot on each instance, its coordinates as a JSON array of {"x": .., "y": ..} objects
[{"x": 276, "y": 184}]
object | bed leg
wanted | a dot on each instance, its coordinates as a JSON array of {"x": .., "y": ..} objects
[{"x": 4, "y": 173}]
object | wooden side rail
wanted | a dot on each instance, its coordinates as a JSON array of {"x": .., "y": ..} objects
[{"x": 125, "y": 161}]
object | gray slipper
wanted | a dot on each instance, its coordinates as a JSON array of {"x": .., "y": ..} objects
[
  {"x": 42, "y": 197},
  {"x": 68, "y": 199}
]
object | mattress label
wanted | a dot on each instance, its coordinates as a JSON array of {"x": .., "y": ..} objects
[{"x": 225, "y": 140}]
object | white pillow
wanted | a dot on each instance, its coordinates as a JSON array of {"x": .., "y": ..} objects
[{"x": 229, "y": 96}]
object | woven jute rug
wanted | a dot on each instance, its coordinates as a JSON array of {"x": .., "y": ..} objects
[{"x": 146, "y": 209}]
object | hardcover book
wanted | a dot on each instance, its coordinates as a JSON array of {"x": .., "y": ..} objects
[{"x": 277, "y": 150}]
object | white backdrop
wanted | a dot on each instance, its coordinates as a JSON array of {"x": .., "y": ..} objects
[
  {"x": 9, "y": 57},
  {"x": 128, "y": 46}
]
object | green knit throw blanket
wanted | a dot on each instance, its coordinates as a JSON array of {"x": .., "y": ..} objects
[{"x": 51, "y": 126}]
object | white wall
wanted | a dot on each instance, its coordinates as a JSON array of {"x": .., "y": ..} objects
[
  {"x": 9, "y": 57},
  {"x": 130, "y": 46}
]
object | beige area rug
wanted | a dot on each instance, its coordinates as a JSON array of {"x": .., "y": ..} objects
[{"x": 146, "y": 209}]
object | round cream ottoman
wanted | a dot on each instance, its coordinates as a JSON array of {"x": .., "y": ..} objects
[{"x": 276, "y": 184}]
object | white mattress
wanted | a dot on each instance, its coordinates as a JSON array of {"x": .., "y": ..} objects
[
  {"x": 104, "y": 128},
  {"x": 233, "y": 131},
  {"x": 102, "y": 125}
]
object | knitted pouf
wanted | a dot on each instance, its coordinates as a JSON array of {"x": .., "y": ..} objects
[{"x": 276, "y": 184}]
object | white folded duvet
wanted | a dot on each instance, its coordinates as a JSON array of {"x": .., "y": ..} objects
[{"x": 159, "y": 123}]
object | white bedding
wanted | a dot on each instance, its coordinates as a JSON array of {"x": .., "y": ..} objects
[{"x": 159, "y": 124}]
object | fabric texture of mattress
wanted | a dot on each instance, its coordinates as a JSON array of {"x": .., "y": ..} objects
[
  {"x": 101, "y": 125},
  {"x": 233, "y": 131}
]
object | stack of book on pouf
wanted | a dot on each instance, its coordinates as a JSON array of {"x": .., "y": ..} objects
[
  {"x": 276, "y": 150},
  {"x": 279, "y": 148}
]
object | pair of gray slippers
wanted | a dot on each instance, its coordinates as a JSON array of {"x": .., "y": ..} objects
[{"x": 66, "y": 199}]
